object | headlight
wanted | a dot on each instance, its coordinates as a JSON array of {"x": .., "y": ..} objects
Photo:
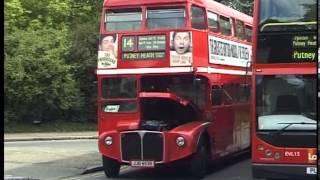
[
  {"x": 260, "y": 147},
  {"x": 180, "y": 141},
  {"x": 277, "y": 155},
  {"x": 268, "y": 152},
  {"x": 108, "y": 141}
]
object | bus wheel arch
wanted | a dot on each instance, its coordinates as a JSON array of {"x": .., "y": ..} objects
[
  {"x": 205, "y": 137},
  {"x": 199, "y": 160}
]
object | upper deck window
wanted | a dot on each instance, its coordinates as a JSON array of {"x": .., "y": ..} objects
[
  {"x": 239, "y": 30},
  {"x": 198, "y": 19},
  {"x": 123, "y": 20},
  {"x": 165, "y": 18},
  {"x": 287, "y": 15},
  {"x": 225, "y": 25},
  {"x": 290, "y": 24},
  {"x": 213, "y": 21},
  {"x": 248, "y": 30}
]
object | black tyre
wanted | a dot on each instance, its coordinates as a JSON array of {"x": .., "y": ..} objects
[
  {"x": 198, "y": 163},
  {"x": 111, "y": 167}
]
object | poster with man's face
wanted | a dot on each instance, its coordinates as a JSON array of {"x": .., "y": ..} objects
[
  {"x": 108, "y": 51},
  {"x": 180, "y": 48}
]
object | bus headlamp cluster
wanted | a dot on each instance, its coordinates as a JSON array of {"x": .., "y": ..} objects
[
  {"x": 260, "y": 147},
  {"x": 108, "y": 140},
  {"x": 277, "y": 155},
  {"x": 268, "y": 152},
  {"x": 180, "y": 141}
]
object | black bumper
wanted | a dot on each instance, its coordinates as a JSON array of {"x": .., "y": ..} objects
[{"x": 282, "y": 171}]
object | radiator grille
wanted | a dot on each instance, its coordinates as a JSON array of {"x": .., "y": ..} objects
[
  {"x": 132, "y": 142},
  {"x": 153, "y": 146},
  {"x": 131, "y": 146}
]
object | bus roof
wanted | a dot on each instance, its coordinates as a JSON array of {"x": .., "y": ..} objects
[{"x": 210, "y": 4}]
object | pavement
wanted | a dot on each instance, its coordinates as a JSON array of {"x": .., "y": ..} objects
[
  {"x": 13, "y": 137},
  {"x": 9, "y": 137}
]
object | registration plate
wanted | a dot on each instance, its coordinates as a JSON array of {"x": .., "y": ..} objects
[
  {"x": 311, "y": 170},
  {"x": 149, "y": 164}
]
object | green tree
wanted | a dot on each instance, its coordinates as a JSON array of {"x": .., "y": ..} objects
[
  {"x": 245, "y": 6},
  {"x": 36, "y": 76},
  {"x": 50, "y": 57},
  {"x": 85, "y": 18}
]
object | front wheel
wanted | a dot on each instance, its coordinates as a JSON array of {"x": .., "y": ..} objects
[
  {"x": 199, "y": 162},
  {"x": 111, "y": 167}
]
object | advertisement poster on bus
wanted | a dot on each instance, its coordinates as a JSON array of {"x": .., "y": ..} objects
[
  {"x": 230, "y": 53},
  {"x": 180, "y": 48},
  {"x": 108, "y": 51}
]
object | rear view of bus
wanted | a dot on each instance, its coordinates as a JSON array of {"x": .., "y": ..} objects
[{"x": 284, "y": 77}]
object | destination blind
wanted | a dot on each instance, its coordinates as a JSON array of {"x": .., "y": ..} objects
[
  {"x": 143, "y": 47},
  {"x": 280, "y": 48}
]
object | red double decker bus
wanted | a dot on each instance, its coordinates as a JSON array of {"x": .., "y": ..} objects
[
  {"x": 285, "y": 89},
  {"x": 173, "y": 83}
]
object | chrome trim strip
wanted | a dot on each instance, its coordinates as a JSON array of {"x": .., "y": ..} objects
[{"x": 141, "y": 134}]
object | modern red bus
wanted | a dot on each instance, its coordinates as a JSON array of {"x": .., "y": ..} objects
[
  {"x": 284, "y": 89},
  {"x": 173, "y": 83}
]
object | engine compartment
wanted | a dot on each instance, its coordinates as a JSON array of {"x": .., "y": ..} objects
[{"x": 161, "y": 114}]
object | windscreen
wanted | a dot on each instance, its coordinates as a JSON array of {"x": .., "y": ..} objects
[
  {"x": 165, "y": 18},
  {"x": 119, "y": 94},
  {"x": 286, "y": 100},
  {"x": 287, "y": 15},
  {"x": 119, "y": 87}
]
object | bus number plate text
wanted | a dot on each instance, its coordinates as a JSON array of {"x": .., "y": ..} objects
[
  {"x": 311, "y": 170},
  {"x": 142, "y": 164}
]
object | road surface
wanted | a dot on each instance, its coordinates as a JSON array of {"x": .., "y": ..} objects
[{"x": 51, "y": 160}]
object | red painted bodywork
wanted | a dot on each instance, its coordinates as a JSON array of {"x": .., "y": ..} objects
[
  {"x": 258, "y": 156},
  {"x": 224, "y": 124}
]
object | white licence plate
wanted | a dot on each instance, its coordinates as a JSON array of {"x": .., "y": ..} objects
[
  {"x": 142, "y": 164},
  {"x": 311, "y": 170}
]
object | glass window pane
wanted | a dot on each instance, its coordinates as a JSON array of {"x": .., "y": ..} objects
[
  {"x": 285, "y": 15},
  {"x": 239, "y": 30},
  {"x": 182, "y": 86},
  {"x": 285, "y": 99},
  {"x": 249, "y": 33},
  {"x": 119, "y": 87},
  {"x": 225, "y": 25},
  {"x": 120, "y": 106},
  {"x": 213, "y": 21},
  {"x": 165, "y": 18},
  {"x": 198, "y": 19},
  {"x": 122, "y": 20}
]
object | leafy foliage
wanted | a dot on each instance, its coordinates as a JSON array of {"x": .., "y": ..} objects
[
  {"x": 245, "y": 6},
  {"x": 50, "y": 57},
  {"x": 36, "y": 75}
]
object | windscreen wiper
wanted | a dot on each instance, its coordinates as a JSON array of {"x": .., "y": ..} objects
[{"x": 280, "y": 131}]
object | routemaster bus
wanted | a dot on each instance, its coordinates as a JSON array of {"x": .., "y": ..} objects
[
  {"x": 284, "y": 137},
  {"x": 174, "y": 82}
]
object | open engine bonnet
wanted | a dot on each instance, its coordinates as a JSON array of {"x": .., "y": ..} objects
[{"x": 165, "y": 111}]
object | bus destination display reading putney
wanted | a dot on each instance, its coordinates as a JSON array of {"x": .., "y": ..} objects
[{"x": 304, "y": 48}]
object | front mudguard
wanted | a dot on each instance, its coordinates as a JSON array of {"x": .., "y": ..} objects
[
  {"x": 113, "y": 151},
  {"x": 191, "y": 132}
]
